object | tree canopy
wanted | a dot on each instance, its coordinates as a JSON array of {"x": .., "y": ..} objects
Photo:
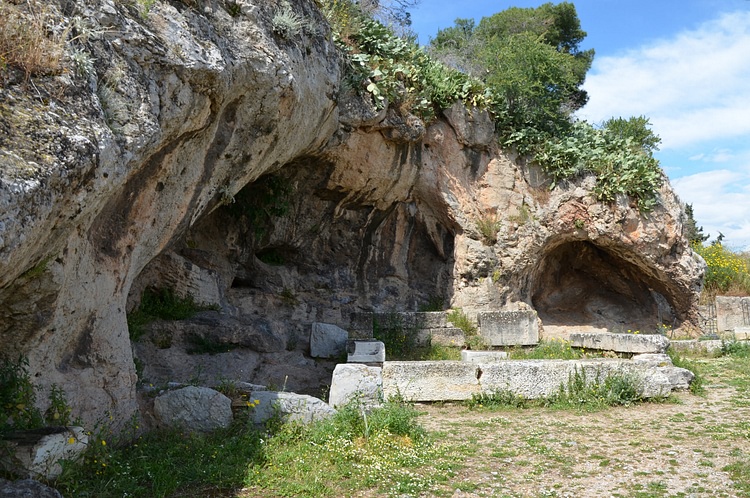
[{"x": 530, "y": 57}]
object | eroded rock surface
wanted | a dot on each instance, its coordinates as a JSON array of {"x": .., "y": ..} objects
[{"x": 211, "y": 156}]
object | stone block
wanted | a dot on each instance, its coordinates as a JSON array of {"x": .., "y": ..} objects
[
  {"x": 355, "y": 381},
  {"x": 509, "y": 328},
  {"x": 620, "y": 343},
  {"x": 693, "y": 345},
  {"x": 430, "y": 380},
  {"x": 532, "y": 379},
  {"x": 730, "y": 313},
  {"x": 448, "y": 336},
  {"x": 367, "y": 351},
  {"x": 194, "y": 408},
  {"x": 483, "y": 356},
  {"x": 291, "y": 407},
  {"x": 679, "y": 378},
  {"x": 37, "y": 453},
  {"x": 327, "y": 340}
]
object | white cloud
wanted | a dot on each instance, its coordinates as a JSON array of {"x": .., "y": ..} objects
[
  {"x": 694, "y": 87},
  {"x": 721, "y": 203}
]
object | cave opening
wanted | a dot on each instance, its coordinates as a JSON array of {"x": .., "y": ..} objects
[{"x": 579, "y": 286}]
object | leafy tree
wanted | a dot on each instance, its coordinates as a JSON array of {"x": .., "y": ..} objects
[
  {"x": 692, "y": 231},
  {"x": 531, "y": 59}
]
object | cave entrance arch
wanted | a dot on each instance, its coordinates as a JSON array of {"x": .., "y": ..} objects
[{"x": 579, "y": 286}]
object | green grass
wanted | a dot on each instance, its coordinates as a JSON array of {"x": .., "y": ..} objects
[
  {"x": 385, "y": 449},
  {"x": 552, "y": 349}
]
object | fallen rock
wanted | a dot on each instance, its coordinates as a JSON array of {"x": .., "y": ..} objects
[
  {"x": 352, "y": 381},
  {"x": 26, "y": 488},
  {"x": 194, "y": 408},
  {"x": 327, "y": 340},
  {"x": 291, "y": 407},
  {"x": 37, "y": 452}
]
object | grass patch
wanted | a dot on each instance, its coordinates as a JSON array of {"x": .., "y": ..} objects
[
  {"x": 166, "y": 463},
  {"x": 579, "y": 392},
  {"x": 553, "y": 349},
  {"x": 698, "y": 385},
  {"x": 385, "y": 449}
]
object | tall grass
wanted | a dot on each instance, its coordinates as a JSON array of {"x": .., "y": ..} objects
[{"x": 27, "y": 40}]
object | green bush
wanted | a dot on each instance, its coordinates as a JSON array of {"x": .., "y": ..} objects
[{"x": 726, "y": 271}]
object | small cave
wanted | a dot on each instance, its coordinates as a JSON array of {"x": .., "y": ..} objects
[{"x": 579, "y": 286}]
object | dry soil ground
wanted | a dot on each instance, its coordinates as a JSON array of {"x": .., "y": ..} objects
[{"x": 666, "y": 449}]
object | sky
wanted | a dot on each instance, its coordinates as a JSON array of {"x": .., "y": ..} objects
[{"x": 683, "y": 64}]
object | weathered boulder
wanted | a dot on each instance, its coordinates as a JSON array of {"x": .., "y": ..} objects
[
  {"x": 680, "y": 378},
  {"x": 327, "y": 340},
  {"x": 26, "y": 488},
  {"x": 621, "y": 343},
  {"x": 194, "y": 408},
  {"x": 37, "y": 452},
  {"x": 356, "y": 382},
  {"x": 290, "y": 407}
]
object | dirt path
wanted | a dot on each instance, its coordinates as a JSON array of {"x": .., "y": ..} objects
[{"x": 669, "y": 449}]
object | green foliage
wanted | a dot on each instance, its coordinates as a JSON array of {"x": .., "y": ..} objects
[
  {"x": 460, "y": 320},
  {"x": 621, "y": 168},
  {"x": 165, "y": 463},
  {"x": 434, "y": 303},
  {"x": 17, "y": 396},
  {"x": 592, "y": 394},
  {"x": 726, "y": 271},
  {"x": 18, "y": 409},
  {"x": 502, "y": 398},
  {"x": 37, "y": 270},
  {"x": 697, "y": 386},
  {"x": 384, "y": 449},
  {"x": 692, "y": 231},
  {"x": 635, "y": 128},
  {"x": 488, "y": 227},
  {"x": 552, "y": 349},
  {"x": 261, "y": 201},
  {"x": 737, "y": 349},
  {"x": 578, "y": 392},
  {"x": 399, "y": 338},
  {"x": 287, "y": 23},
  {"x": 161, "y": 304}
]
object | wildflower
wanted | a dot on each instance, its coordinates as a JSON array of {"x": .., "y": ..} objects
[
  {"x": 104, "y": 443},
  {"x": 71, "y": 440}
]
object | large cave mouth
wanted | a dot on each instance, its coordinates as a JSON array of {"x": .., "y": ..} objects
[{"x": 580, "y": 286}]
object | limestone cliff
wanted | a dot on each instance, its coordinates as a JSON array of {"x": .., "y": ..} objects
[{"x": 206, "y": 153}]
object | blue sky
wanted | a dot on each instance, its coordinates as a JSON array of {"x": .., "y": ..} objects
[{"x": 686, "y": 66}]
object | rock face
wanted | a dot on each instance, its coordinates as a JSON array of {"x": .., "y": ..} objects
[{"x": 209, "y": 155}]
